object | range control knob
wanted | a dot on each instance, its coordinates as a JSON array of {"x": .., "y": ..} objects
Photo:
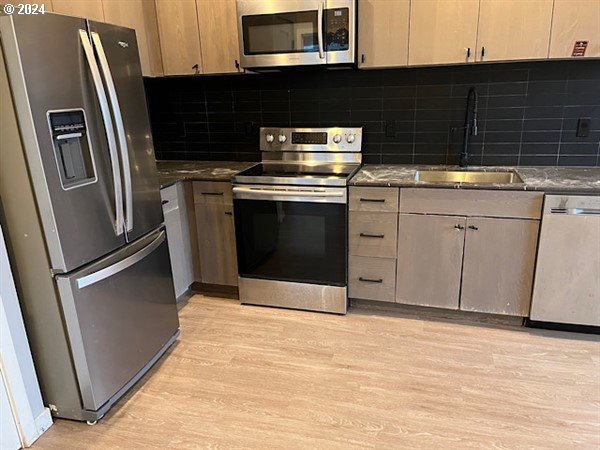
[
  {"x": 270, "y": 138},
  {"x": 282, "y": 138},
  {"x": 337, "y": 138},
  {"x": 350, "y": 138}
]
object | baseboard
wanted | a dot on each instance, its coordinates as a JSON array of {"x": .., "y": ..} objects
[
  {"x": 34, "y": 430},
  {"x": 425, "y": 312},
  {"x": 215, "y": 290}
]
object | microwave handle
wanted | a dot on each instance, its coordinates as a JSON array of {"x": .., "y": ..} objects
[{"x": 320, "y": 30}]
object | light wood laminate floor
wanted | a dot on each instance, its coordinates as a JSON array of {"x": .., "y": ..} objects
[{"x": 252, "y": 377}]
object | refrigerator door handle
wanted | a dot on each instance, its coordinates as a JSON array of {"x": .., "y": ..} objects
[
  {"x": 109, "y": 271},
  {"x": 114, "y": 101},
  {"x": 108, "y": 127}
]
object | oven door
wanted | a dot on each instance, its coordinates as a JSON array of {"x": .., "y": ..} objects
[
  {"x": 292, "y": 234},
  {"x": 296, "y": 32}
]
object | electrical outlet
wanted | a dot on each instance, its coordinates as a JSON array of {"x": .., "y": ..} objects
[{"x": 583, "y": 127}]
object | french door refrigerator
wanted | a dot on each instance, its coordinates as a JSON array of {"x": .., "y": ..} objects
[{"x": 78, "y": 162}]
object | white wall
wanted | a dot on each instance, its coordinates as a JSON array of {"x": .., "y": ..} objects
[{"x": 20, "y": 389}]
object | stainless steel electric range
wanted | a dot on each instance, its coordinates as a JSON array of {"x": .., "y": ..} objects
[{"x": 291, "y": 218}]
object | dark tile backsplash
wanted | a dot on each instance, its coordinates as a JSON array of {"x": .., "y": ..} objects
[{"x": 528, "y": 112}]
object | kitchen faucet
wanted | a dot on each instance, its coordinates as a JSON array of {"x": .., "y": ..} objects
[{"x": 470, "y": 127}]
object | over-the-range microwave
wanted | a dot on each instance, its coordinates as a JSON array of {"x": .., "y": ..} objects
[{"x": 277, "y": 33}]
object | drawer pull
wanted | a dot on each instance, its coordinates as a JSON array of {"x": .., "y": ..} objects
[
  {"x": 473, "y": 227},
  {"x": 211, "y": 193},
  {"x": 373, "y": 200},
  {"x": 378, "y": 236},
  {"x": 370, "y": 280},
  {"x": 459, "y": 227},
  {"x": 229, "y": 213},
  {"x": 164, "y": 202}
]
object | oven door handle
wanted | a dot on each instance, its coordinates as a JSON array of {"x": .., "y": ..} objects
[{"x": 325, "y": 196}]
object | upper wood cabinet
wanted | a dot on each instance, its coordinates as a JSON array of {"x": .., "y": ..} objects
[
  {"x": 443, "y": 31},
  {"x": 217, "y": 21},
  {"x": 179, "y": 36},
  {"x": 513, "y": 29},
  {"x": 90, "y": 9},
  {"x": 383, "y": 33},
  {"x": 575, "y": 20},
  {"x": 141, "y": 16}
]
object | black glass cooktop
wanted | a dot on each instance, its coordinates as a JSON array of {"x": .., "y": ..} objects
[
  {"x": 293, "y": 173},
  {"x": 299, "y": 170}
]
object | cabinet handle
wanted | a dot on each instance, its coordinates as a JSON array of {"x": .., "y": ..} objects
[
  {"x": 373, "y": 200},
  {"x": 196, "y": 69},
  {"x": 459, "y": 227},
  {"x": 473, "y": 227},
  {"x": 362, "y": 58},
  {"x": 211, "y": 193},
  {"x": 229, "y": 213},
  {"x": 468, "y": 52},
  {"x": 164, "y": 202},
  {"x": 370, "y": 280},
  {"x": 237, "y": 64},
  {"x": 378, "y": 236},
  {"x": 482, "y": 52}
]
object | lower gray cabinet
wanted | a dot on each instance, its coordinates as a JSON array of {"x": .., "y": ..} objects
[
  {"x": 430, "y": 250},
  {"x": 178, "y": 236},
  {"x": 372, "y": 278},
  {"x": 216, "y": 233},
  {"x": 499, "y": 263}
]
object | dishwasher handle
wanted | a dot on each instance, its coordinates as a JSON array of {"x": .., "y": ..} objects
[{"x": 576, "y": 211}]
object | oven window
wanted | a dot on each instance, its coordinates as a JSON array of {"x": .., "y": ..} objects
[
  {"x": 291, "y": 241},
  {"x": 293, "y": 32}
]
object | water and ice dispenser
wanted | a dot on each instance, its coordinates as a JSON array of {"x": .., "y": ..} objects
[{"x": 72, "y": 147}]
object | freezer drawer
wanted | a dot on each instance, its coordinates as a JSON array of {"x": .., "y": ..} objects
[{"x": 119, "y": 313}]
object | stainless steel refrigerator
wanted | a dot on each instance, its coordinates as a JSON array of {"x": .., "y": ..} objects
[{"x": 80, "y": 198}]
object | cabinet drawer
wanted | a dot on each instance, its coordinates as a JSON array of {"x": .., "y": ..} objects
[
  {"x": 213, "y": 192},
  {"x": 373, "y": 199},
  {"x": 170, "y": 197},
  {"x": 169, "y": 193},
  {"x": 472, "y": 202},
  {"x": 373, "y": 234},
  {"x": 372, "y": 278}
]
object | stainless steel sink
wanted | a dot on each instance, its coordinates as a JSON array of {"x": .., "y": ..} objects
[{"x": 468, "y": 177}]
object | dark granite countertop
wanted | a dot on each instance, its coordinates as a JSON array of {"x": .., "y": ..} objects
[
  {"x": 583, "y": 180},
  {"x": 170, "y": 172}
]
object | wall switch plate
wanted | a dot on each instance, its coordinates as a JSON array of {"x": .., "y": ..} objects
[{"x": 583, "y": 127}]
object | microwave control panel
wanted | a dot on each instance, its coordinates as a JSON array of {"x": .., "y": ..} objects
[{"x": 337, "y": 26}]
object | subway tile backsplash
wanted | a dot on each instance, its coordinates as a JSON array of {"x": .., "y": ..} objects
[{"x": 528, "y": 112}]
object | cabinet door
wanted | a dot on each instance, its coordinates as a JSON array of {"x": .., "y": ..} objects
[
  {"x": 513, "y": 29},
  {"x": 383, "y": 33},
  {"x": 89, "y": 9},
  {"x": 217, "y": 20},
  {"x": 575, "y": 20},
  {"x": 498, "y": 265},
  {"x": 443, "y": 31},
  {"x": 141, "y": 16},
  {"x": 175, "y": 240},
  {"x": 430, "y": 250},
  {"x": 179, "y": 36},
  {"x": 216, "y": 243}
]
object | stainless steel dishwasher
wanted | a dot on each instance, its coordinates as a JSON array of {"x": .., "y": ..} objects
[{"x": 567, "y": 278}]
